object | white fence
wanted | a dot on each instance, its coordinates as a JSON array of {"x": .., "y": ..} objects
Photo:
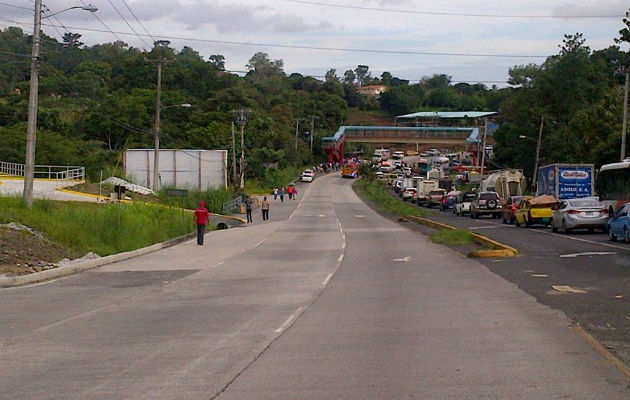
[{"x": 53, "y": 172}]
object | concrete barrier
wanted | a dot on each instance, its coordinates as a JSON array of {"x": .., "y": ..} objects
[
  {"x": 35, "y": 277},
  {"x": 495, "y": 249}
]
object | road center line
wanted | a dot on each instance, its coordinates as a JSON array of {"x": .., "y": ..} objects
[
  {"x": 588, "y": 253},
  {"x": 218, "y": 264},
  {"x": 327, "y": 279},
  {"x": 340, "y": 258},
  {"x": 289, "y": 320}
]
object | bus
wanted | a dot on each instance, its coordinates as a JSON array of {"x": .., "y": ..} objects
[{"x": 613, "y": 185}]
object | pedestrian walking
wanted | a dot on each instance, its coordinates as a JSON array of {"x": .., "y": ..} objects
[
  {"x": 290, "y": 190},
  {"x": 201, "y": 218},
  {"x": 248, "y": 208},
  {"x": 294, "y": 193},
  {"x": 265, "y": 209},
  {"x": 282, "y": 194},
  {"x": 275, "y": 193}
]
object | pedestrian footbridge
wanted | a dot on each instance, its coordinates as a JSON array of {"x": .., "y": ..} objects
[{"x": 433, "y": 135}]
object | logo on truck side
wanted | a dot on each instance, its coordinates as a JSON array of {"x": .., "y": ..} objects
[{"x": 574, "y": 174}]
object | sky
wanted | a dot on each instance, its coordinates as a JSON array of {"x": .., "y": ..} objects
[{"x": 472, "y": 41}]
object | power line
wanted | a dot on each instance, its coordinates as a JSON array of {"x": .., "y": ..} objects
[
  {"x": 128, "y": 24},
  {"x": 102, "y": 23},
  {"x": 288, "y": 46},
  {"x": 448, "y": 14},
  {"x": 139, "y": 22},
  {"x": 15, "y": 6}
]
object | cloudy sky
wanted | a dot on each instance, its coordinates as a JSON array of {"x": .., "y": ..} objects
[{"x": 470, "y": 40}]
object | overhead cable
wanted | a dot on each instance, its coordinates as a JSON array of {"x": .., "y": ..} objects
[
  {"x": 137, "y": 19},
  {"x": 448, "y": 14},
  {"x": 129, "y": 25}
]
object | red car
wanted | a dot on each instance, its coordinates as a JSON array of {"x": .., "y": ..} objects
[{"x": 510, "y": 207}]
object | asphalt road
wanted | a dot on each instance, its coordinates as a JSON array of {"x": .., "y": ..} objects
[
  {"x": 580, "y": 260},
  {"x": 332, "y": 302}
]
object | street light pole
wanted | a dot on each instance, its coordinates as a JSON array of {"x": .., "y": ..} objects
[
  {"x": 31, "y": 129},
  {"x": 625, "y": 117},
  {"x": 535, "y": 178},
  {"x": 156, "y": 153}
]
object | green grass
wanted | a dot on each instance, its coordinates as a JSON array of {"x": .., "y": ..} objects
[
  {"x": 376, "y": 191},
  {"x": 101, "y": 228},
  {"x": 457, "y": 237}
]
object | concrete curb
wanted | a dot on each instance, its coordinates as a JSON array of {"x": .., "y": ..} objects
[
  {"x": 90, "y": 264},
  {"x": 497, "y": 249}
]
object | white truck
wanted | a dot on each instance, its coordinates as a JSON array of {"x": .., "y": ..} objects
[
  {"x": 382, "y": 153},
  {"x": 424, "y": 187}
]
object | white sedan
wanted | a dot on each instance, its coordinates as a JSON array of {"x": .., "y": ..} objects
[{"x": 308, "y": 175}]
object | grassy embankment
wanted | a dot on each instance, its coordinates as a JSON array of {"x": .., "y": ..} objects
[
  {"x": 376, "y": 191},
  {"x": 100, "y": 228}
]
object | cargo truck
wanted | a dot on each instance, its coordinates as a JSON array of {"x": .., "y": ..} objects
[{"x": 565, "y": 181}]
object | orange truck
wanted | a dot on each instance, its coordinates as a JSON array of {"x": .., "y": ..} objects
[{"x": 350, "y": 171}]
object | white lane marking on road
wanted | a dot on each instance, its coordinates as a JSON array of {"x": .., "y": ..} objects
[
  {"x": 579, "y": 240},
  {"x": 289, "y": 320},
  {"x": 218, "y": 264},
  {"x": 360, "y": 216},
  {"x": 322, "y": 215},
  {"x": 340, "y": 258},
  {"x": 588, "y": 253},
  {"x": 259, "y": 243},
  {"x": 343, "y": 245},
  {"x": 327, "y": 279},
  {"x": 404, "y": 259},
  {"x": 486, "y": 227},
  {"x": 540, "y": 276}
]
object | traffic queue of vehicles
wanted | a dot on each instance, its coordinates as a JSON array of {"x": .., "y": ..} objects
[{"x": 566, "y": 200}]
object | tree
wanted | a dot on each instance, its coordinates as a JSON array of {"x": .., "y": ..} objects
[
  {"x": 386, "y": 78},
  {"x": 437, "y": 81},
  {"x": 331, "y": 75},
  {"x": 71, "y": 40},
  {"x": 523, "y": 75},
  {"x": 362, "y": 74},
  {"x": 349, "y": 77},
  {"x": 262, "y": 68},
  {"x": 217, "y": 61}
]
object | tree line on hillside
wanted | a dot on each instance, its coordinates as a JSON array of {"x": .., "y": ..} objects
[{"x": 96, "y": 101}]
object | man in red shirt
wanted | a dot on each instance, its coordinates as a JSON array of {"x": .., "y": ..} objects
[{"x": 201, "y": 219}]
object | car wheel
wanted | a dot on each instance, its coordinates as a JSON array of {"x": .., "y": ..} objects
[
  {"x": 504, "y": 220},
  {"x": 554, "y": 228},
  {"x": 512, "y": 220},
  {"x": 626, "y": 235},
  {"x": 611, "y": 235},
  {"x": 517, "y": 223},
  {"x": 564, "y": 227}
]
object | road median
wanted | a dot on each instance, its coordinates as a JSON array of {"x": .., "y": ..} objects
[{"x": 493, "y": 249}]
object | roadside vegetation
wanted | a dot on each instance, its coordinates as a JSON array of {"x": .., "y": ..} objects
[
  {"x": 376, "y": 192},
  {"x": 456, "y": 237},
  {"x": 100, "y": 228}
]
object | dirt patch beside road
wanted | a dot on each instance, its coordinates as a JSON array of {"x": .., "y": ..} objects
[{"x": 23, "y": 252}]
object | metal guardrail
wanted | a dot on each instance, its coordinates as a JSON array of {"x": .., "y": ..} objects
[
  {"x": 55, "y": 172},
  {"x": 232, "y": 205}
]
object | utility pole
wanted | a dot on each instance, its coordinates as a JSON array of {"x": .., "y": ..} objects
[
  {"x": 241, "y": 120},
  {"x": 313, "y": 118},
  {"x": 297, "y": 129},
  {"x": 31, "y": 130},
  {"x": 483, "y": 149},
  {"x": 234, "y": 172},
  {"x": 625, "y": 117},
  {"x": 156, "y": 135},
  {"x": 535, "y": 177}
]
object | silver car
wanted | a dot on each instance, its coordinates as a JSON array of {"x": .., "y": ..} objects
[{"x": 587, "y": 213}]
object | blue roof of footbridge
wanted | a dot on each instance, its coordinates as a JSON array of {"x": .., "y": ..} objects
[
  {"x": 473, "y": 138},
  {"x": 448, "y": 114}
]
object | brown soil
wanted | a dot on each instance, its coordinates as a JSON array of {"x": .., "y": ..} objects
[{"x": 22, "y": 252}]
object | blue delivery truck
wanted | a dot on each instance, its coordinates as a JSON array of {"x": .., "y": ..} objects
[{"x": 566, "y": 181}]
